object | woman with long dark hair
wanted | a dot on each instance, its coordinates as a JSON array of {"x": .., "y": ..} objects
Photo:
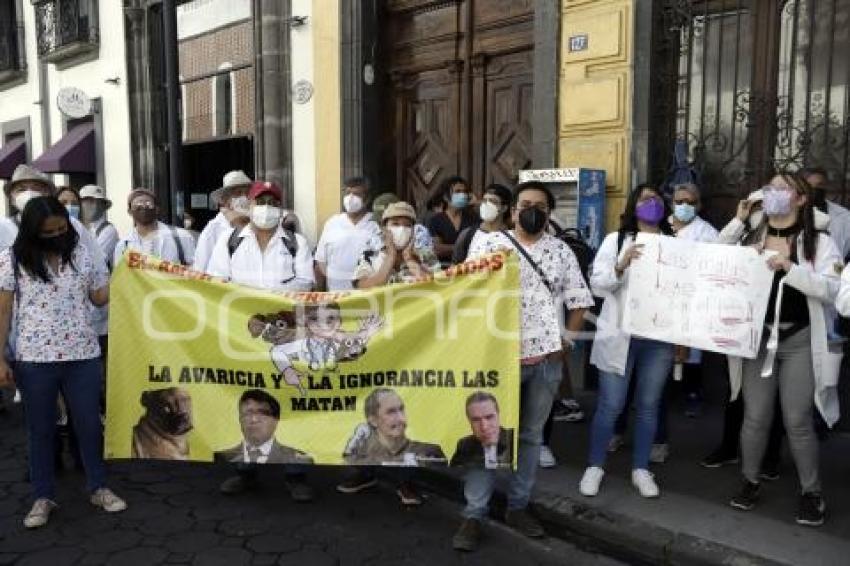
[
  {"x": 794, "y": 358},
  {"x": 621, "y": 357},
  {"x": 51, "y": 281}
]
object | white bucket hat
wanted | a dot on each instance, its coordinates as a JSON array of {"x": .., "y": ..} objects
[
  {"x": 95, "y": 192},
  {"x": 26, "y": 173},
  {"x": 235, "y": 179}
]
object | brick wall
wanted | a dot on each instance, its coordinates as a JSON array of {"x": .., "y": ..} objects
[{"x": 205, "y": 54}]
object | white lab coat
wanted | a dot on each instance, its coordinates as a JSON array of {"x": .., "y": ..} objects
[
  {"x": 164, "y": 244},
  {"x": 208, "y": 239},
  {"x": 610, "y": 350},
  {"x": 819, "y": 281}
]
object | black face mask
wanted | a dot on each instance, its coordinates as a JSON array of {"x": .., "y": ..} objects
[
  {"x": 144, "y": 216},
  {"x": 533, "y": 220},
  {"x": 56, "y": 244}
]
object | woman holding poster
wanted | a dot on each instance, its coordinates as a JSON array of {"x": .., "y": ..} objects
[
  {"x": 794, "y": 357},
  {"x": 621, "y": 357}
]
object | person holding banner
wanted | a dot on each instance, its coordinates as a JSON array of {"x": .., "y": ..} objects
[
  {"x": 395, "y": 258},
  {"x": 794, "y": 358},
  {"x": 550, "y": 278},
  {"x": 233, "y": 211},
  {"x": 264, "y": 255},
  {"x": 621, "y": 357},
  {"x": 54, "y": 280}
]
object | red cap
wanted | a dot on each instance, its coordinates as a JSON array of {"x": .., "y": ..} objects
[{"x": 259, "y": 188}]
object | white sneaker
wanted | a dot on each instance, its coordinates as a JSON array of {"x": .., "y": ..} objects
[
  {"x": 589, "y": 485},
  {"x": 547, "y": 459},
  {"x": 659, "y": 453},
  {"x": 644, "y": 481},
  {"x": 40, "y": 513},
  {"x": 107, "y": 500},
  {"x": 17, "y": 397},
  {"x": 615, "y": 443}
]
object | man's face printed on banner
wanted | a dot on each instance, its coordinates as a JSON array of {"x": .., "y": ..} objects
[
  {"x": 484, "y": 420},
  {"x": 257, "y": 422},
  {"x": 390, "y": 420}
]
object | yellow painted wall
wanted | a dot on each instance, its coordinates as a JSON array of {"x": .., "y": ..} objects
[
  {"x": 327, "y": 97},
  {"x": 595, "y": 94}
]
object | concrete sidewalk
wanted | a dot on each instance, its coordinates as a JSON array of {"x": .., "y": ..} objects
[{"x": 692, "y": 523}]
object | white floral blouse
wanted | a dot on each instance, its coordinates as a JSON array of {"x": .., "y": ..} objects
[
  {"x": 542, "y": 314},
  {"x": 52, "y": 320}
]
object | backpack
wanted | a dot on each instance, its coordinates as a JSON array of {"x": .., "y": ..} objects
[
  {"x": 581, "y": 249},
  {"x": 289, "y": 242},
  {"x": 464, "y": 240}
]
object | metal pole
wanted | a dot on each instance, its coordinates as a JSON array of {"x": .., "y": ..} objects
[{"x": 172, "y": 101}]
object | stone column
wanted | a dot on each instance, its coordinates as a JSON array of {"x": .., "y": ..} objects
[
  {"x": 545, "y": 118},
  {"x": 273, "y": 144}
]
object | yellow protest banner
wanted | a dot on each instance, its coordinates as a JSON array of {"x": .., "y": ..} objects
[{"x": 424, "y": 374}]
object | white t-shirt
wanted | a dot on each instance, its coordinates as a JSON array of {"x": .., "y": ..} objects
[{"x": 340, "y": 247}]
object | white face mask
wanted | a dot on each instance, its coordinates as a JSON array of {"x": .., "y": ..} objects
[
  {"x": 23, "y": 197},
  {"x": 352, "y": 204},
  {"x": 488, "y": 211},
  {"x": 401, "y": 236},
  {"x": 265, "y": 217},
  {"x": 241, "y": 205}
]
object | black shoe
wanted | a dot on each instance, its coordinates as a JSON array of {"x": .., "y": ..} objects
[
  {"x": 769, "y": 471},
  {"x": 522, "y": 521},
  {"x": 408, "y": 495},
  {"x": 812, "y": 510},
  {"x": 747, "y": 497},
  {"x": 718, "y": 458},
  {"x": 237, "y": 484},
  {"x": 468, "y": 536},
  {"x": 299, "y": 490},
  {"x": 567, "y": 410},
  {"x": 357, "y": 483}
]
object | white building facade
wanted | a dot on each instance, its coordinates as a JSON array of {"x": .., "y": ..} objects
[{"x": 73, "y": 49}]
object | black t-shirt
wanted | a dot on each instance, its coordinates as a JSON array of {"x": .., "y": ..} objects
[
  {"x": 794, "y": 311},
  {"x": 440, "y": 225}
]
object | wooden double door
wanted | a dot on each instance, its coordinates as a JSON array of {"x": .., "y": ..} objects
[{"x": 459, "y": 99}]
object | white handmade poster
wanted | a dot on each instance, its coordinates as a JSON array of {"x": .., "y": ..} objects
[{"x": 705, "y": 296}]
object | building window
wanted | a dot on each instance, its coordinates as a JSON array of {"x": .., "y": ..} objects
[
  {"x": 13, "y": 62},
  {"x": 223, "y": 98},
  {"x": 66, "y": 28}
]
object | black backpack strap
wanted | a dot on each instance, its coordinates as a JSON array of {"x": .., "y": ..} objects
[
  {"x": 101, "y": 228},
  {"x": 233, "y": 241},
  {"x": 531, "y": 262},
  {"x": 290, "y": 242},
  {"x": 181, "y": 254}
]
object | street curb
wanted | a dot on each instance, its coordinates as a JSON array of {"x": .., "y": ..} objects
[{"x": 617, "y": 535}]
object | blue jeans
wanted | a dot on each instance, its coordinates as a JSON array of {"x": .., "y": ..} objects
[
  {"x": 80, "y": 383},
  {"x": 537, "y": 391},
  {"x": 649, "y": 363}
]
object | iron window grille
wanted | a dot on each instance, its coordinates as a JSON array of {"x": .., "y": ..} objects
[{"x": 66, "y": 28}]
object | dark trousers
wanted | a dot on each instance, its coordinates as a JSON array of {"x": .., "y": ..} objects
[{"x": 79, "y": 383}]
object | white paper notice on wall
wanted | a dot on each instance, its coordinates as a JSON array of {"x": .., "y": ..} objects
[{"x": 706, "y": 296}]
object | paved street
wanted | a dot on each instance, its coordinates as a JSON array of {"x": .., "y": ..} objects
[{"x": 177, "y": 516}]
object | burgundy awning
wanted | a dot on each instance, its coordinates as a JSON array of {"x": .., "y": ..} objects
[
  {"x": 74, "y": 153},
  {"x": 12, "y": 154}
]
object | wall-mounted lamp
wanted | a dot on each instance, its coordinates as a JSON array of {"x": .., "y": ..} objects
[{"x": 113, "y": 81}]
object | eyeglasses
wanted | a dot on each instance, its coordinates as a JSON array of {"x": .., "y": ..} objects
[
  {"x": 775, "y": 188},
  {"x": 258, "y": 413},
  {"x": 143, "y": 206},
  {"x": 685, "y": 201}
]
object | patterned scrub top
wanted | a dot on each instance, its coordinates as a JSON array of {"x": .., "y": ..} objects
[
  {"x": 371, "y": 260},
  {"x": 53, "y": 319}
]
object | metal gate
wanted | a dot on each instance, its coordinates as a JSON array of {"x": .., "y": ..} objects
[{"x": 753, "y": 86}]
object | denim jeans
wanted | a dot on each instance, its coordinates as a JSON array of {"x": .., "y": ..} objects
[
  {"x": 80, "y": 383},
  {"x": 649, "y": 363},
  {"x": 539, "y": 383}
]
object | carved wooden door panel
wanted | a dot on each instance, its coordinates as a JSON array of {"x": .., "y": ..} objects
[
  {"x": 502, "y": 113},
  {"x": 428, "y": 149}
]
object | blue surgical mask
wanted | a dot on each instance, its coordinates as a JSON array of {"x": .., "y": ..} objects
[
  {"x": 460, "y": 200},
  {"x": 684, "y": 212},
  {"x": 73, "y": 210}
]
